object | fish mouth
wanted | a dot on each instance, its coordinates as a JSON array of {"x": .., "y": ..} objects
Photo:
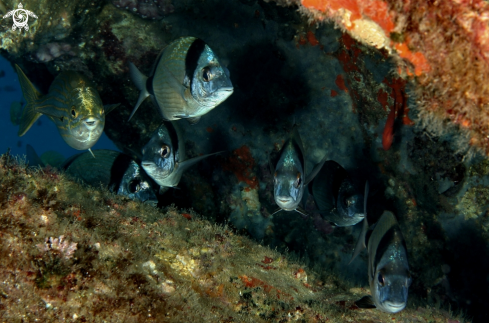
[
  {"x": 91, "y": 122},
  {"x": 395, "y": 307}
]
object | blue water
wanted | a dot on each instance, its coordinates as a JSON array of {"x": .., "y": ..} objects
[{"x": 43, "y": 135}]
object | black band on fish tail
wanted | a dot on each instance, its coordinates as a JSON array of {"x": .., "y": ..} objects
[
  {"x": 149, "y": 85},
  {"x": 117, "y": 171},
  {"x": 192, "y": 58}
]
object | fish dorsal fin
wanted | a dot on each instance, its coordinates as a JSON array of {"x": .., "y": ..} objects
[
  {"x": 361, "y": 239},
  {"x": 366, "y": 302},
  {"x": 108, "y": 108},
  {"x": 140, "y": 80},
  {"x": 315, "y": 171}
]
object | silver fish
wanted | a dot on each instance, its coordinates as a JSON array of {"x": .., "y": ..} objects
[
  {"x": 335, "y": 195},
  {"x": 289, "y": 176},
  {"x": 186, "y": 82},
  {"x": 388, "y": 268},
  {"x": 72, "y": 103},
  {"x": 164, "y": 158},
  {"x": 116, "y": 171}
]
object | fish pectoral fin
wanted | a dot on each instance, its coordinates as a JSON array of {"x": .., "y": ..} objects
[
  {"x": 181, "y": 116},
  {"x": 91, "y": 152},
  {"x": 366, "y": 302},
  {"x": 194, "y": 120},
  {"x": 109, "y": 107},
  {"x": 315, "y": 171},
  {"x": 183, "y": 166},
  {"x": 301, "y": 211}
]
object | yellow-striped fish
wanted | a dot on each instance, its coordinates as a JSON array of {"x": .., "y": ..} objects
[
  {"x": 187, "y": 81},
  {"x": 72, "y": 103}
]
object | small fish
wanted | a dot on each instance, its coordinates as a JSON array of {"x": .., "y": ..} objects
[
  {"x": 114, "y": 170},
  {"x": 187, "y": 81},
  {"x": 336, "y": 196},
  {"x": 164, "y": 158},
  {"x": 73, "y": 104},
  {"x": 289, "y": 176},
  {"x": 388, "y": 268}
]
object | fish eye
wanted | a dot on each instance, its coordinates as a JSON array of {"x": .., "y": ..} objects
[
  {"x": 165, "y": 151},
  {"x": 73, "y": 112},
  {"x": 298, "y": 181},
  {"x": 207, "y": 74},
  {"x": 133, "y": 186},
  {"x": 381, "y": 279}
]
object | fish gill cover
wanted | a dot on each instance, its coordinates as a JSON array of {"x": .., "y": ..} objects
[{"x": 395, "y": 96}]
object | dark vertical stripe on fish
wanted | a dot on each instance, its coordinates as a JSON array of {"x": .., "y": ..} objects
[
  {"x": 192, "y": 58},
  {"x": 173, "y": 137},
  {"x": 392, "y": 236},
  {"x": 117, "y": 171},
  {"x": 149, "y": 85}
]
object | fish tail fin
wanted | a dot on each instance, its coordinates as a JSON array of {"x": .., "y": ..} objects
[
  {"x": 29, "y": 115},
  {"x": 139, "y": 80},
  {"x": 361, "y": 239}
]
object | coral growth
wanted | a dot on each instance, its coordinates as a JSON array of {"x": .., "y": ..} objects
[
  {"x": 444, "y": 44},
  {"x": 119, "y": 260},
  {"x": 150, "y": 9}
]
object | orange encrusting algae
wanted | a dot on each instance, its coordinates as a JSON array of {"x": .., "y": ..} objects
[
  {"x": 241, "y": 163},
  {"x": 446, "y": 47}
]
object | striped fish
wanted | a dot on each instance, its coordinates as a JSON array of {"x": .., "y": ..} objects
[
  {"x": 388, "y": 268},
  {"x": 289, "y": 175},
  {"x": 72, "y": 103},
  {"x": 336, "y": 196},
  {"x": 186, "y": 82},
  {"x": 164, "y": 158}
]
